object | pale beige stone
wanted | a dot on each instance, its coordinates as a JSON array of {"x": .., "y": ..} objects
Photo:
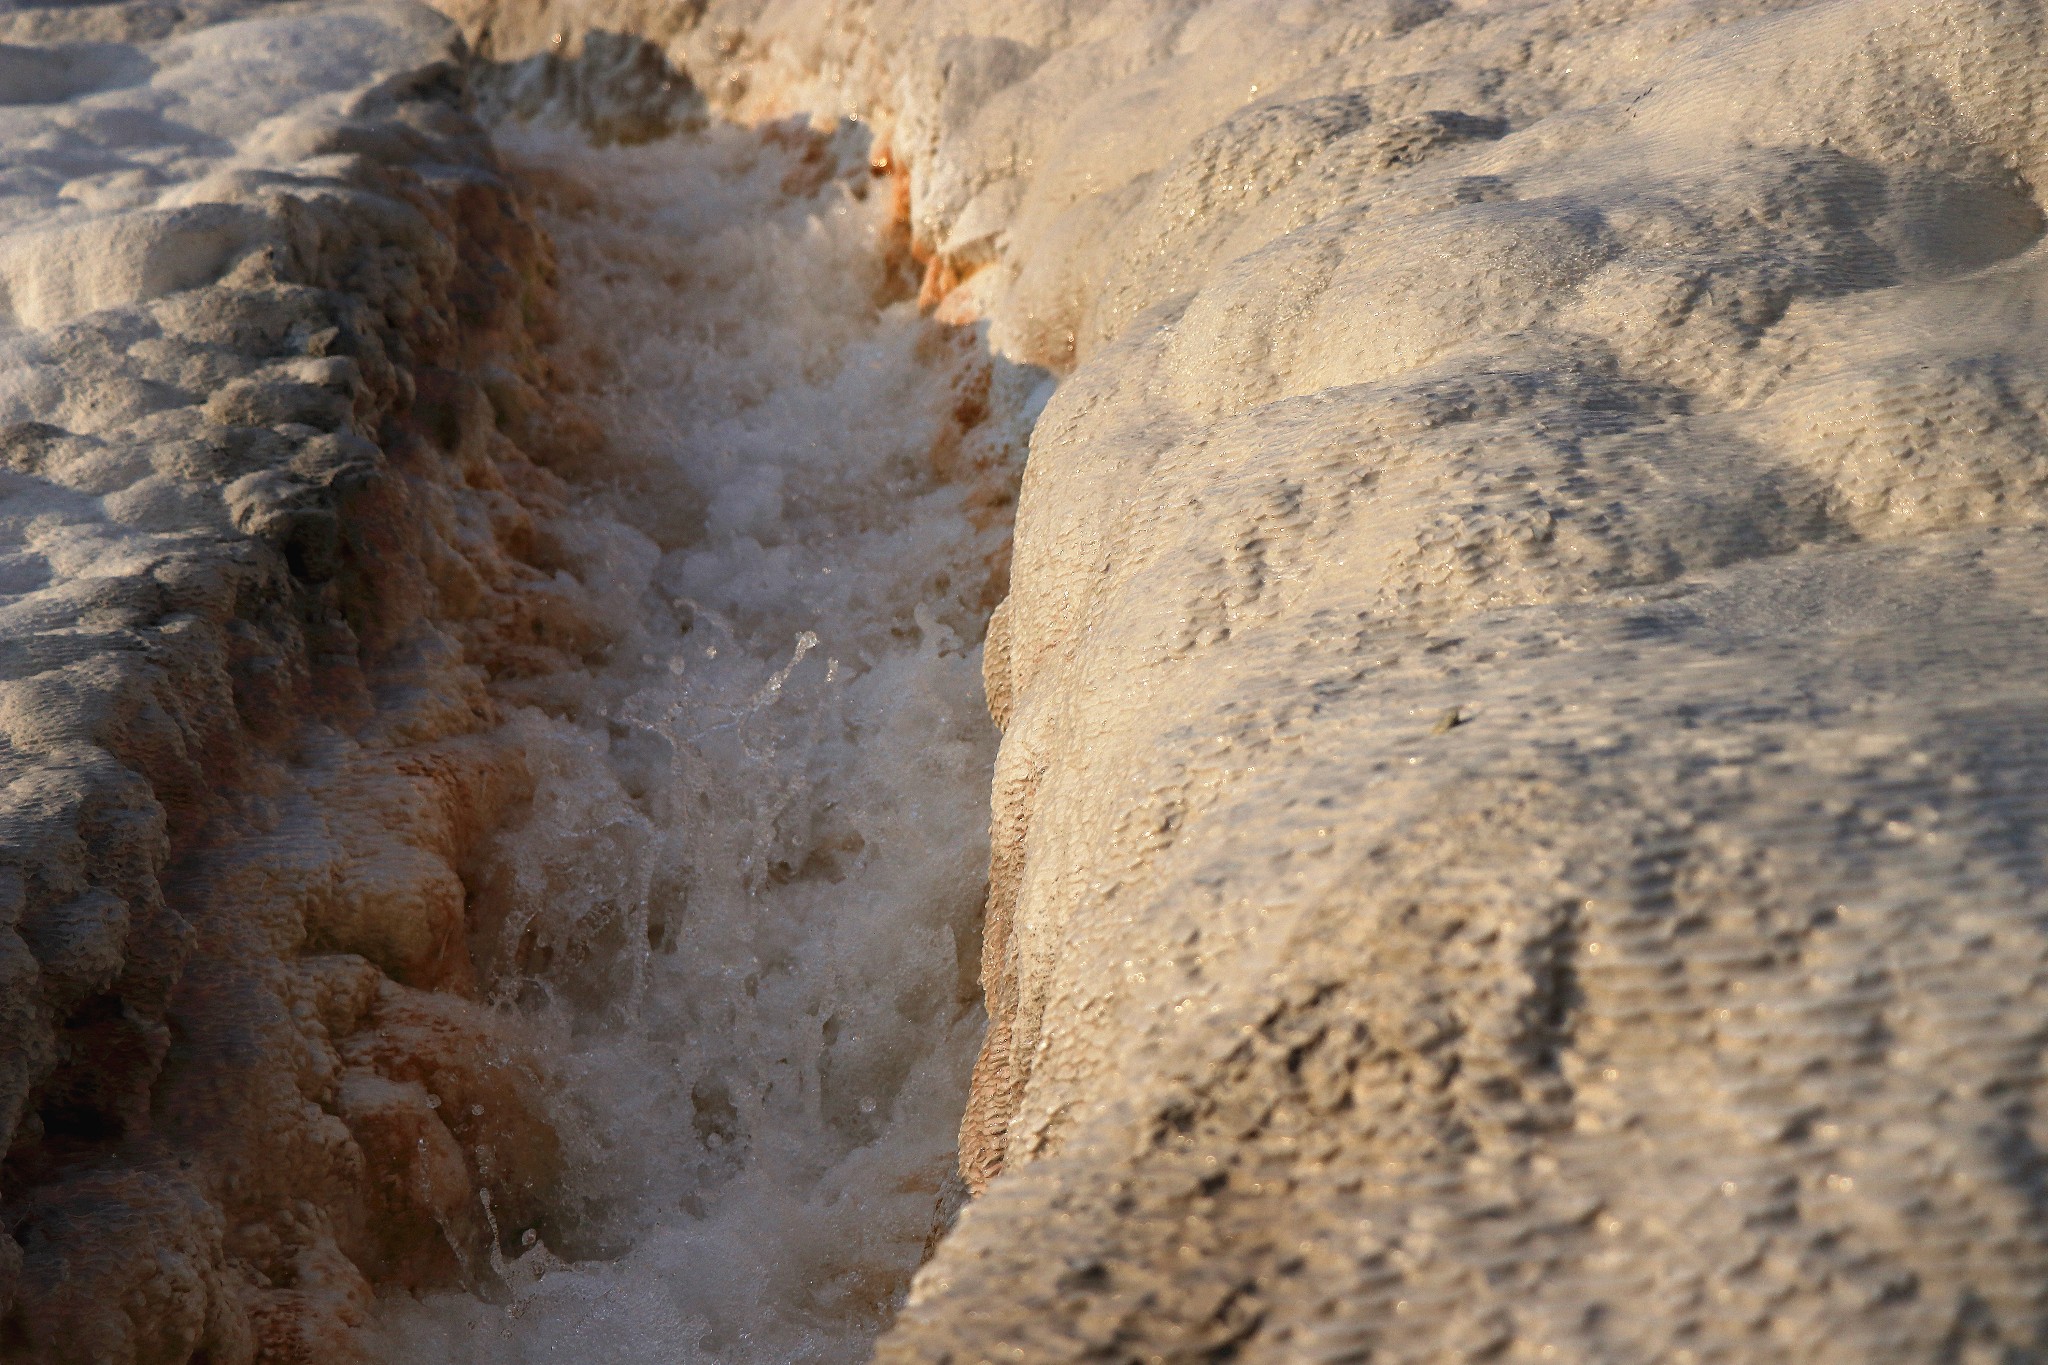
[{"x": 1513, "y": 826}]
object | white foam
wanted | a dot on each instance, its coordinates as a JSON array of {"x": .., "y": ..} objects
[{"x": 779, "y": 783}]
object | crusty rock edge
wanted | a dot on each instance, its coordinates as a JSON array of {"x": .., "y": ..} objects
[
  {"x": 249, "y": 755},
  {"x": 1515, "y": 835}
]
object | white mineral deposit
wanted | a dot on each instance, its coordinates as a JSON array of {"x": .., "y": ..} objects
[{"x": 1492, "y": 813}]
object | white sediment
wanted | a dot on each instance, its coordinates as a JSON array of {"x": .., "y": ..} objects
[
  {"x": 1517, "y": 828},
  {"x": 743, "y": 912},
  {"x": 1515, "y": 831}
]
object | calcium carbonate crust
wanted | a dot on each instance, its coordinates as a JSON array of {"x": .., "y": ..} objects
[
  {"x": 1516, "y": 832},
  {"x": 1517, "y": 826},
  {"x": 266, "y": 409}
]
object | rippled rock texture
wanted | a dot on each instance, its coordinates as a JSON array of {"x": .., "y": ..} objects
[{"x": 1517, "y": 827}]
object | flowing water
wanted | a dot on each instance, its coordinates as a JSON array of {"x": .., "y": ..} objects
[{"x": 742, "y": 914}]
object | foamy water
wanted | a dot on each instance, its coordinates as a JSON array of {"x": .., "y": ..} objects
[{"x": 742, "y": 914}]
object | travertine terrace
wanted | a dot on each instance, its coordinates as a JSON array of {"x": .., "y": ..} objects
[
  {"x": 1516, "y": 831},
  {"x": 263, "y": 536}
]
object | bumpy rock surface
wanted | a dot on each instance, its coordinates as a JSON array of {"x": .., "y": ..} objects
[
  {"x": 1518, "y": 824},
  {"x": 267, "y": 534},
  {"x": 1517, "y": 829}
]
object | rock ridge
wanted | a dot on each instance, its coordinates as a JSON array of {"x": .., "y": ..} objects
[
  {"x": 1515, "y": 833},
  {"x": 267, "y": 410},
  {"x": 1513, "y": 829}
]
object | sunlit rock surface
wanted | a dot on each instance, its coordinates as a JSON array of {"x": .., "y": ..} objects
[{"x": 1516, "y": 830}]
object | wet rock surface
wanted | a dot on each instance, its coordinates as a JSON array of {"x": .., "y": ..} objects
[
  {"x": 1515, "y": 832},
  {"x": 1514, "y": 826},
  {"x": 269, "y": 526}
]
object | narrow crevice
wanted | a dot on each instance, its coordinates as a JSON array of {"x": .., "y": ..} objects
[{"x": 740, "y": 919}]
